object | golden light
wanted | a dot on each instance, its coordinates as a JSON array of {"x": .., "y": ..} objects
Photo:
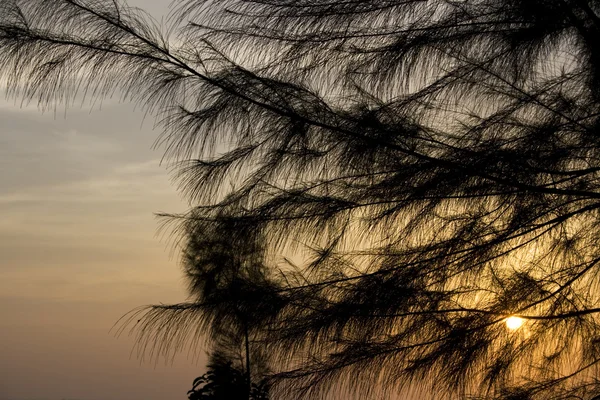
[{"x": 513, "y": 323}]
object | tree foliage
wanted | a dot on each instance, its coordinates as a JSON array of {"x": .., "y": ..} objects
[
  {"x": 395, "y": 178},
  {"x": 236, "y": 369},
  {"x": 225, "y": 382}
]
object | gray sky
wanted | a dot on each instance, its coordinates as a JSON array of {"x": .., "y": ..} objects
[{"x": 78, "y": 249}]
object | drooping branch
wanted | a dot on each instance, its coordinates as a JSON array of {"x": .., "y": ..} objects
[{"x": 425, "y": 169}]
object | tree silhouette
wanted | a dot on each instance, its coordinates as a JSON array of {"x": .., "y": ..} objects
[
  {"x": 375, "y": 186},
  {"x": 236, "y": 369},
  {"x": 220, "y": 382},
  {"x": 224, "y": 382}
]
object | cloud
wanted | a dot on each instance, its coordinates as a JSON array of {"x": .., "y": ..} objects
[{"x": 77, "y": 198}]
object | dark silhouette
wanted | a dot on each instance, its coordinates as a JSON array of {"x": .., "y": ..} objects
[
  {"x": 376, "y": 186},
  {"x": 220, "y": 382},
  {"x": 225, "y": 382},
  {"x": 231, "y": 374}
]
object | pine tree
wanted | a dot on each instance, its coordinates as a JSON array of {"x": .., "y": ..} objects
[{"x": 377, "y": 188}]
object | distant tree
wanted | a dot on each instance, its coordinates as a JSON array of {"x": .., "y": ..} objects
[
  {"x": 220, "y": 382},
  {"x": 236, "y": 370},
  {"x": 223, "y": 381},
  {"x": 375, "y": 186}
]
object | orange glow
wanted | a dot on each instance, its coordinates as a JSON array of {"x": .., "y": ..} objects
[{"x": 513, "y": 323}]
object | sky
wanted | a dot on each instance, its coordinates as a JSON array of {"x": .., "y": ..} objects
[{"x": 79, "y": 248}]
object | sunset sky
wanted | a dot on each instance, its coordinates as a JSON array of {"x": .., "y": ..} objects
[
  {"x": 79, "y": 248},
  {"x": 385, "y": 200}
]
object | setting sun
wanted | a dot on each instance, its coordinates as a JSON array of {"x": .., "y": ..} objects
[{"x": 513, "y": 323}]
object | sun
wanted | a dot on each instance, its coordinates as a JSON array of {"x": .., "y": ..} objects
[{"x": 513, "y": 323}]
